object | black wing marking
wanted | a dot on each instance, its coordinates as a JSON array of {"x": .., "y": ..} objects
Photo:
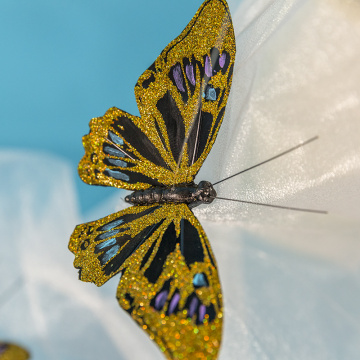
[
  {"x": 101, "y": 247},
  {"x": 173, "y": 279}
]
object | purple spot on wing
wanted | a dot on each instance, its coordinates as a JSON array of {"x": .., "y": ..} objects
[
  {"x": 178, "y": 78},
  {"x": 222, "y": 60},
  {"x": 3, "y": 348},
  {"x": 202, "y": 312},
  {"x": 174, "y": 301},
  {"x": 192, "y": 307},
  {"x": 160, "y": 299},
  {"x": 208, "y": 67},
  {"x": 189, "y": 69}
]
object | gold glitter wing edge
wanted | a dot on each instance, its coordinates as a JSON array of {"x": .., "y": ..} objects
[
  {"x": 101, "y": 247},
  {"x": 172, "y": 290},
  {"x": 181, "y": 99},
  {"x": 119, "y": 154}
]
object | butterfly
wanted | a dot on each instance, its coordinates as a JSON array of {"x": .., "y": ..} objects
[
  {"x": 12, "y": 352},
  {"x": 169, "y": 280}
]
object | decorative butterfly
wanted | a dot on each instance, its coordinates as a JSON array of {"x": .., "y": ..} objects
[
  {"x": 12, "y": 352},
  {"x": 169, "y": 283}
]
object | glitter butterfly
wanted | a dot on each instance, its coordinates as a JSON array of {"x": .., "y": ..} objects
[
  {"x": 169, "y": 280},
  {"x": 12, "y": 352}
]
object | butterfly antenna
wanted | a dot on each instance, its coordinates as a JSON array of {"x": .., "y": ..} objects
[
  {"x": 187, "y": 138},
  {"x": 119, "y": 148},
  {"x": 8, "y": 293},
  {"x": 268, "y": 160},
  {"x": 275, "y": 206}
]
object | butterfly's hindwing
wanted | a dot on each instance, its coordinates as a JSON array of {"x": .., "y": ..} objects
[
  {"x": 182, "y": 303},
  {"x": 169, "y": 282},
  {"x": 102, "y": 247}
]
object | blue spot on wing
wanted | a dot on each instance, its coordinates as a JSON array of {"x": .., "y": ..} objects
[
  {"x": 111, "y": 225},
  {"x": 110, "y": 150},
  {"x": 109, "y": 254},
  {"x": 117, "y": 162},
  {"x": 210, "y": 93},
  {"x": 116, "y": 174},
  {"x": 107, "y": 234},
  {"x": 200, "y": 280},
  {"x": 105, "y": 244},
  {"x": 115, "y": 139}
]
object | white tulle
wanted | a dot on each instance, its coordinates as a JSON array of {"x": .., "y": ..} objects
[{"x": 291, "y": 280}]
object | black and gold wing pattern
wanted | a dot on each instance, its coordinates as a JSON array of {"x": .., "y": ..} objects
[
  {"x": 12, "y": 352},
  {"x": 169, "y": 279},
  {"x": 181, "y": 99}
]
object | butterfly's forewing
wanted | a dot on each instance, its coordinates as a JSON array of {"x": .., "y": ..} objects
[
  {"x": 118, "y": 153},
  {"x": 170, "y": 286},
  {"x": 183, "y": 95},
  {"x": 181, "y": 98},
  {"x": 12, "y": 352}
]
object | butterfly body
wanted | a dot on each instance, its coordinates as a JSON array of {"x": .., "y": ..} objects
[
  {"x": 190, "y": 194},
  {"x": 169, "y": 280}
]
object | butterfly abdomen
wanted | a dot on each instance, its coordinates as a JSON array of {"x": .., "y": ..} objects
[{"x": 191, "y": 194}]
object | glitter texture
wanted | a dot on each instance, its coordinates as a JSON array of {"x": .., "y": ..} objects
[
  {"x": 210, "y": 28},
  {"x": 178, "y": 333},
  {"x": 12, "y": 352},
  {"x": 169, "y": 283}
]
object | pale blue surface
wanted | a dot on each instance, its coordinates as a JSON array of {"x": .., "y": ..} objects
[{"x": 63, "y": 62}]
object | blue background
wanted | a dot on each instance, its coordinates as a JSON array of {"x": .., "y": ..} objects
[{"x": 64, "y": 62}]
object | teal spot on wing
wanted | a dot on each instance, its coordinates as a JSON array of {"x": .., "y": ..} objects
[
  {"x": 200, "y": 280},
  {"x": 109, "y": 254},
  {"x": 115, "y": 139},
  {"x": 105, "y": 244}
]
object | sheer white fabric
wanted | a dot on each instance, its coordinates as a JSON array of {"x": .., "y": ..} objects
[{"x": 290, "y": 279}]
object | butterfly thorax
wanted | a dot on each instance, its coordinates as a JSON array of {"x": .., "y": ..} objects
[{"x": 190, "y": 194}]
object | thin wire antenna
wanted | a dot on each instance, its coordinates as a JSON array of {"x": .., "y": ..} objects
[
  {"x": 119, "y": 148},
  {"x": 11, "y": 290},
  {"x": 197, "y": 117},
  {"x": 275, "y": 206},
  {"x": 273, "y": 158},
  {"x": 196, "y": 139}
]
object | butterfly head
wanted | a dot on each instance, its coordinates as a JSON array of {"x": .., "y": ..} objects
[{"x": 205, "y": 193}]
